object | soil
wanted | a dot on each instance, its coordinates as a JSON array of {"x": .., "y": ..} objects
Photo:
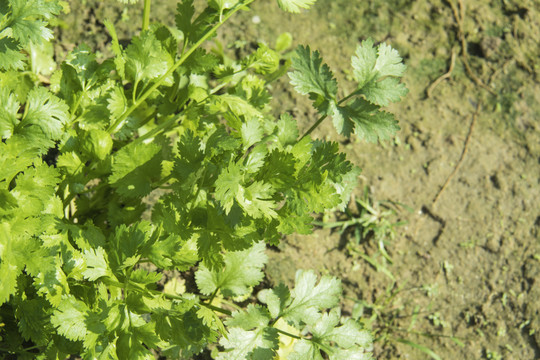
[{"x": 466, "y": 266}]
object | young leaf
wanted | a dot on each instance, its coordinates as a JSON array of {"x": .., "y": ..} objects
[
  {"x": 377, "y": 70},
  {"x": 294, "y": 6}
]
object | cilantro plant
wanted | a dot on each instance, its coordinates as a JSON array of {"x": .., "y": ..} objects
[{"x": 81, "y": 151}]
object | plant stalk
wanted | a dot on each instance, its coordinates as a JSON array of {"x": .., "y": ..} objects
[{"x": 146, "y": 15}]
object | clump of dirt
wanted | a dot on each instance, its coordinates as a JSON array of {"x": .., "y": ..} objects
[{"x": 466, "y": 266}]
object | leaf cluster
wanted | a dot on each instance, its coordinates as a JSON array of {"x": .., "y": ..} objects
[{"x": 83, "y": 254}]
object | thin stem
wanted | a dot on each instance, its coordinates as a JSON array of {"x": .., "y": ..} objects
[
  {"x": 288, "y": 334},
  {"x": 212, "y": 297},
  {"x": 146, "y": 15},
  {"x": 157, "y": 130},
  {"x": 218, "y": 309},
  {"x": 172, "y": 69},
  {"x": 321, "y": 119}
]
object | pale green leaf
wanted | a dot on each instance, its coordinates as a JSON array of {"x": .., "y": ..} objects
[{"x": 294, "y": 6}]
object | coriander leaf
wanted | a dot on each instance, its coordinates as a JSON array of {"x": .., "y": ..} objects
[
  {"x": 172, "y": 252},
  {"x": 193, "y": 30},
  {"x": 252, "y": 132},
  {"x": 385, "y": 91},
  {"x": 350, "y": 335},
  {"x": 253, "y": 89},
  {"x": 228, "y": 185},
  {"x": 287, "y": 130},
  {"x": 9, "y": 267},
  {"x": 256, "y": 200},
  {"x": 308, "y": 297},
  {"x": 184, "y": 13},
  {"x": 242, "y": 270},
  {"x": 389, "y": 63},
  {"x": 256, "y": 159},
  {"x": 147, "y": 60},
  {"x": 263, "y": 61},
  {"x": 69, "y": 318},
  {"x": 311, "y": 76},
  {"x": 32, "y": 324},
  {"x": 294, "y": 6},
  {"x": 28, "y": 19},
  {"x": 134, "y": 168},
  {"x": 276, "y": 299},
  {"x": 305, "y": 350},
  {"x": 253, "y": 317},
  {"x": 96, "y": 264},
  {"x": 46, "y": 112},
  {"x": 8, "y": 113},
  {"x": 370, "y": 123},
  {"x": 259, "y": 344},
  {"x": 10, "y": 55},
  {"x": 377, "y": 70},
  {"x": 235, "y": 104}
]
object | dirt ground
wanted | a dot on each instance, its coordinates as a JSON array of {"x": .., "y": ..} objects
[{"x": 466, "y": 265}]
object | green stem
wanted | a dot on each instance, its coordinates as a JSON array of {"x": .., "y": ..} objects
[
  {"x": 183, "y": 58},
  {"x": 218, "y": 309},
  {"x": 321, "y": 119},
  {"x": 288, "y": 334},
  {"x": 146, "y": 15},
  {"x": 155, "y": 131}
]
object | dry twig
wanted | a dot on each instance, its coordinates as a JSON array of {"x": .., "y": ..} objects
[
  {"x": 463, "y": 153},
  {"x": 442, "y": 77}
]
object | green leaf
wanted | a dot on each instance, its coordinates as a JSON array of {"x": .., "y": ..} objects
[
  {"x": 97, "y": 144},
  {"x": 263, "y": 61},
  {"x": 306, "y": 350},
  {"x": 69, "y": 318},
  {"x": 10, "y": 55},
  {"x": 44, "y": 118},
  {"x": 311, "y": 76},
  {"x": 242, "y": 270},
  {"x": 252, "y": 132},
  {"x": 256, "y": 200},
  {"x": 32, "y": 324},
  {"x": 254, "y": 316},
  {"x": 368, "y": 121},
  {"x": 294, "y": 6},
  {"x": 147, "y": 60},
  {"x": 134, "y": 168},
  {"x": 228, "y": 185},
  {"x": 308, "y": 297},
  {"x": 276, "y": 299},
  {"x": 385, "y": 91},
  {"x": 96, "y": 264},
  {"x": 259, "y": 344},
  {"x": 193, "y": 30},
  {"x": 377, "y": 70},
  {"x": 28, "y": 20}
]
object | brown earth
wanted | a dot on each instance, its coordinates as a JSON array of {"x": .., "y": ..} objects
[{"x": 467, "y": 266}]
